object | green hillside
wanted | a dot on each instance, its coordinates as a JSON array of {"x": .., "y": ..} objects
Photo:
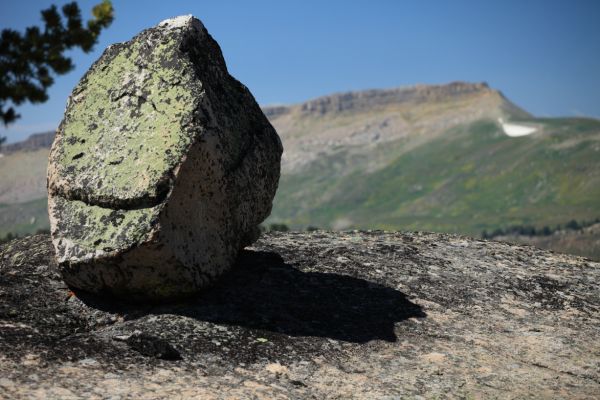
[
  {"x": 23, "y": 205},
  {"x": 470, "y": 178},
  {"x": 24, "y": 218}
]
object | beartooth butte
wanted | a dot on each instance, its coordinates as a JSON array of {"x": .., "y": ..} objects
[{"x": 162, "y": 168}]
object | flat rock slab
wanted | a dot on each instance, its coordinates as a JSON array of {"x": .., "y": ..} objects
[{"x": 315, "y": 315}]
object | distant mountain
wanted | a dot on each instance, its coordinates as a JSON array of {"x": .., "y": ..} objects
[
  {"x": 34, "y": 142},
  {"x": 432, "y": 158},
  {"x": 23, "y": 185},
  {"x": 426, "y": 157},
  {"x": 361, "y": 122}
]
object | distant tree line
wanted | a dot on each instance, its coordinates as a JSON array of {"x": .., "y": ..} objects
[
  {"x": 284, "y": 228},
  {"x": 528, "y": 230},
  {"x": 523, "y": 230},
  {"x": 10, "y": 236}
]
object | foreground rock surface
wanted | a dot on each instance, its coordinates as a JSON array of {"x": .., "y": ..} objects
[
  {"x": 316, "y": 315},
  {"x": 162, "y": 168}
]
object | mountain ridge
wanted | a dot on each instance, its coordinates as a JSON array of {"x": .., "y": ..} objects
[
  {"x": 362, "y": 120},
  {"x": 351, "y": 100},
  {"x": 33, "y": 142},
  {"x": 431, "y": 158}
]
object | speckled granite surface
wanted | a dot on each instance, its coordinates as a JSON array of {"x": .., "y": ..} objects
[{"x": 315, "y": 315}]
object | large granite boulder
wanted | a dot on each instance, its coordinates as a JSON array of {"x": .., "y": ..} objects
[{"x": 162, "y": 168}]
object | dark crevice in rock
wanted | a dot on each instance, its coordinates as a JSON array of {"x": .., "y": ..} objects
[
  {"x": 151, "y": 346},
  {"x": 248, "y": 147},
  {"x": 163, "y": 188},
  {"x": 153, "y": 106},
  {"x": 116, "y": 162},
  {"x": 141, "y": 99},
  {"x": 558, "y": 371}
]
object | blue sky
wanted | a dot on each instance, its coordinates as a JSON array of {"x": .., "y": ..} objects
[{"x": 543, "y": 55}]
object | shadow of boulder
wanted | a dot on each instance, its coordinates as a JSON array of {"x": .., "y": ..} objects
[{"x": 263, "y": 292}]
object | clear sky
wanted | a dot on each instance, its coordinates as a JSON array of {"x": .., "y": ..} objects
[{"x": 542, "y": 54}]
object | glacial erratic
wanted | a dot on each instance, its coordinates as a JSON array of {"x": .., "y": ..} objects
[{"x": 162, "y": 168}]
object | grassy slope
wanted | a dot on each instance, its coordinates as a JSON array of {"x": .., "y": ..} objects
[
  {"x": 470, "y": 179},
  {"x": 23, "y": 176},
  {"x": 24, "y": 218},
  {"x": 23, "y": 205}
]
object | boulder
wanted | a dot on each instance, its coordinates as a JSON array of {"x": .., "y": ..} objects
[{"x": 162, "y": 167}]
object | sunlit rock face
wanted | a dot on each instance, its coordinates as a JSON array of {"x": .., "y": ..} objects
[{"x": 162, "y": 168}]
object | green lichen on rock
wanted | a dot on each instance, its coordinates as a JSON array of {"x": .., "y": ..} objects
[
  {"x": 162, "y": 168},
  {"x": 100, "y": 231},
  {"x": 124, "y": 130}
]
